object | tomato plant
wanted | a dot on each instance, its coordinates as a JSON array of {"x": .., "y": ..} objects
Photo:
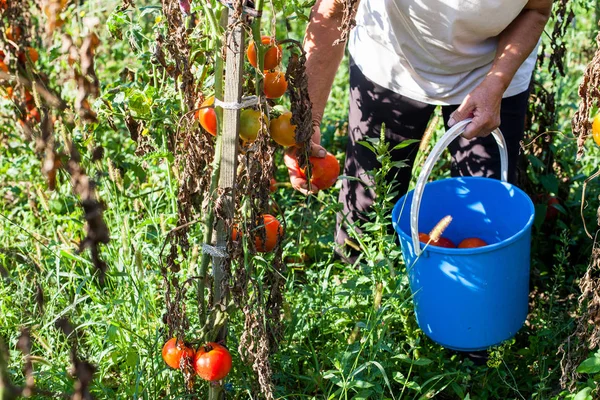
[
  {"x": 212, "y": 362},
  {"x": 207, "y": 116},
  {"x": 173, "y": 352},
  {"x": 282, "y": 131},
  {"x": 272, "y": 56},
  {"x": 275, "y": 85}
]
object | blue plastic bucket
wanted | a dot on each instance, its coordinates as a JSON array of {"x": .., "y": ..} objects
[{"x": 474, "y": 298}]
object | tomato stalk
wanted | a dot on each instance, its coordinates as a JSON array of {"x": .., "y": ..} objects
[
  {"x": 260, "y": 48},
  {"x": 216, "y": 165}
]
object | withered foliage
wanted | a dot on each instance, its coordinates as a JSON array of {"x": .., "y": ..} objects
[
  {"x": 300, "y": 104},
  {"x": 144, "y": 142},
  {"x": 262, "y": 326},
  {"x": 349, "y": 8},
  {"x": 589, "y": 92},
  {"x": 586, "y": 336},
  {"x": 85, "y": 76},
  {"x": 177, "y": 44},
  {"x": 126, "y": 4},
  {"x": 81, "y": 370},
  {"x": 96, "y": 228}
]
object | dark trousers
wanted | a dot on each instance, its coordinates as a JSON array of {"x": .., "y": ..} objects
[{"x": 372, "y": 105}]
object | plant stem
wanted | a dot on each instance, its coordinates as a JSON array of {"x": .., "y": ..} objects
[{"x": 216, "y": 165}]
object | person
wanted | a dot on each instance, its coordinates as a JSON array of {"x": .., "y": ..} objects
[{"x": 474, "y": 58}]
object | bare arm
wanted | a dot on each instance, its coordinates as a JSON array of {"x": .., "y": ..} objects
[
  {"x": 322, "y": 62},
  {"x": 515, "y": 44},
  {"x": 322, "y": 58}
]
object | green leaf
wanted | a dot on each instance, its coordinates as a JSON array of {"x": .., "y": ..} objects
[
  {"x": 405, "y": 358},
  {"x": 550, "y": 183},
  {"x": 116, "y": 23},
  {"x": 405, "y": 143},
  {"x": 590, "y": 366},
  {"x": 139, "y": 103},
  {"x": 584, "y": 394},
  {"x": 368, "y": 146}
]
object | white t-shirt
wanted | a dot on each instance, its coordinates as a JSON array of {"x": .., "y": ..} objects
[{"x": 434, "y": 51}]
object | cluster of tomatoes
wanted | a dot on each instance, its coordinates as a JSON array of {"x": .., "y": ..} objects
[
  {"x": 274, "y": 86},
  {"x": 324, "y": 171},
  {"x": 445, "y": 242},
  {"x": 211, "y": 362}
]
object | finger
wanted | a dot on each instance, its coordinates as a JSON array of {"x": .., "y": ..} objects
[
  {"x": 316, "y": 150},
  {"x": 465, "y": 110},
  {"x": 297, "y": 178},
  {"x": 478, "y": 127}
]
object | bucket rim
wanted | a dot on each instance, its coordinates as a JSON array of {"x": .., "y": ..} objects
[{"x": 472, "y": 250}]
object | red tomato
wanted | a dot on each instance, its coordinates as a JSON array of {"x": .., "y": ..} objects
[
  {"x": 174, "y": 353},
  {"x": 423, "y": 237},
  {"x": 273, "y": 185},
  {"x": 471, "y": 243},
  {"x": 272, "y": 55},
  {"x": 273, "y": 231},
  {"x": 275, "y": 85},
  {"x": 443, "y": 242},
  {"x": 207, "y": 116},
  {"x": 212, "y": 362},
  {"x": 325, "y": 171},
  {"x": 551, "y": 211}
]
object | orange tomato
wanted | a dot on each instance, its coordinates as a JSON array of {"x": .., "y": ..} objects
[
  {"x": 423, "y": 237},
  {"x": 3, "y": 67},
  {"x": 275, "y": 85},
  {"x": 272, "y": 55},
  {"x": 282, "y": 131},
  {"x": 34, "y": 115},
  {"x": 273, "y": 185},
  {"x": 471, "y": 243},
  {"x": 173, "y": 353},
  {"x": 207, "y": 116},
  {"x": 273, "y": 231},
  {"x": 596, "y": 129},
  {"x": 31, "y": 52},
  {"x": 325, "y": 171}
]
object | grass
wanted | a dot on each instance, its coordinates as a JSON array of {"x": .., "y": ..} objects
[{"x": 349, "y": 331}]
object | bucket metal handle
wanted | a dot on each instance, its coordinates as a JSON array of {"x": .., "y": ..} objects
[{"x": 433, "y": 157}]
